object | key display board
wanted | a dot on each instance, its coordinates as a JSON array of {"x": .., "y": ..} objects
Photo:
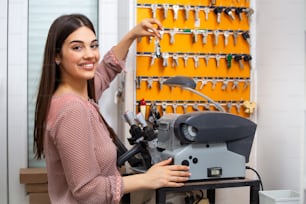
[{"x": 203, "y": 39}]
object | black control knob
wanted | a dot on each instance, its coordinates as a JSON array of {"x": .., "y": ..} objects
[{"x": 185, "y": 162}]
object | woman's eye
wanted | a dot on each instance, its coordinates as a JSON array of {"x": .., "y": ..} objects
[
  {"x": 95, "y": 46},
  {"x": 77, "y": 48}
]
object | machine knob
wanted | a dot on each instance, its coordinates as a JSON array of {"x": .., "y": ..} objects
[
  {"x": 185, "y": 162},
  {"x": 195, "y": 160}
]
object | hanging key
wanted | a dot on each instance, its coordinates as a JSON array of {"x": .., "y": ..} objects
[
  {"x": 228, "y": 11},
  {"x": 235, "y": 84},
  {"x": 206, "y": 11},
  {"x": 153, "y": 57},
  {"x": 218, "y": 11},
  {"x": 161, "y": 33},
  {"x": 248, "y": 58},
  {"x": 165, "y": 8},
  {"x": 204, "y": 36},
  {"x": 226, "y": 34},
  {"x": 206, "y": 57},
  {"x": 172, "y": 35},
  {"x": 175, "y": 11},
  {"x": 239, "y": 12},
  {"x": 161, "y": 82},
  {"x": 216, "y": 36},
  {"x": 203, "y": 83},
  {"x": 195, "y": 34},
  {"x": 164, "y": 107},
  {"x": 229, "y": 106},
  {"x": 238, "y": 58},
  {"x": 187, "y": 9},
  {"x": 150, "y": 82},
  {"x": 224, "y": 84},
  {"x": 153, "y": 8},
  {"x": 196, "y": 61},
  {"x": 174, "y": 106},
  {"x": 185, "y": 57},
  {"x": 197, "y": 14},
  {"x": 175, "y": 60},
  {"x": 206, "y": 106},
  {"x": 165, "y": 56},
  {"x": 249, "y": 12},
  {"x": 246, "y": 84},
  {"x": 218, "y": 57},
  {"x": 157, "y": 48},
  {"x": 195, "y": 106},
  {"x": 185, "y": 107},
  {"x": 235, "y": 37},
  {"x": 213, "y": 2},
  {"x": 214, "y": 83},
  {"x": 138, "y": 81},
  {"x": 246, "y": 37},
  {"x": 238, "y": 106},
  {"x": 229, "y": 58}
]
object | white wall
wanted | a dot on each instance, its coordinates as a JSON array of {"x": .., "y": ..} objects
[{"x": 281, "y": 90}]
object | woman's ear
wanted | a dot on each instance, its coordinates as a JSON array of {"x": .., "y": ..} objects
[{"x": 57, "y": 61}]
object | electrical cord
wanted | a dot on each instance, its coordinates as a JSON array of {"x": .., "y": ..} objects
[{"x": 259, "y": 178}]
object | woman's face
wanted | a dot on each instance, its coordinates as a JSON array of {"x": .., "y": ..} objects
[{"x": 79, "y": 56}]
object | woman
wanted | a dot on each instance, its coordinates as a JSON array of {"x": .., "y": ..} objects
[{"x": 69, "y": 130}]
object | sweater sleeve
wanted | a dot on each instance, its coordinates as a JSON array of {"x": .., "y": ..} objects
[
  {"x": 107, "y": 70},
  {"x": 76, "y": 147}
]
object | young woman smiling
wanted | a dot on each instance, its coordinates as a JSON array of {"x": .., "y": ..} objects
[{"x": 69, "y": 130}]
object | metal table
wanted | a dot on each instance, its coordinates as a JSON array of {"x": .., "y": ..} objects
[{"x": 210, "y": 186}]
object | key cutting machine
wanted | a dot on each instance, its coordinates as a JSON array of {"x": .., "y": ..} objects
[{"x": 214, "y": 144}]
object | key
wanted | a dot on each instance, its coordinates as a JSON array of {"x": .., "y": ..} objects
[
  {"x": 239, "y": 12},
  {"x": 161, "y": 82},
  {"x": 248, "y": 58},
  {"x": 157, "y": 49},
  {"x": 196, "y": 61},
  {"x": 185, "y": 107},
  {"x": 195, "y": 106},
  {"x": 235, "y": 84},
  {"x": 153, "y": 8},
  {"x": 187, "y": 9},
  {"x": 238, "y": 107},
  {"x": 216, "y": 36},
  {"x": 226, "y": 34},
  {"x": 196, "y": 80},
  {"x": 218, "y": 11},
  {"x": 246, "y": 36},
  {"x": 165, "y": 56},
  {"x": 229, "y": 106},
  {"x": 195, "y": 35},
  {"x": 206, "y": 106},
  {"x": 249, "y": 12},
  {"x": 138, "y": 81},
  {"x": 196, "y": 14},
  {"x": 204, "y": 36},
  {"x": 213, "y": 2},
  {"x": 218, "y": 57},
  {"x": 172, "y": 35},
  {"x": 206, "y": 11},
  {"x": 214, "y": 83},
  {"x": 206, "y": 57},
  {"x": 153, "y": 57},
  {"x": 164, "y": 107},
  {"x": 174, "y": 106},
  {"x": 165, "y": 7},
  {"x": 238, "y": 58},
  {"x": 224, "y": 84},
  {"x": 228, "y": 11},
  {"x": 229, "y": 58},
  {"x": 175, "y": 11},
  {"x": 246, "y": 84},
  {"x": 161, "y": 33},
  {"x": 203, "y": 83},
  {"x": 185, "y": 57},
  {"x": 175, "y": 60},
  {"x": 235, "y": 37},
  {"x": 150, "y": 82}
]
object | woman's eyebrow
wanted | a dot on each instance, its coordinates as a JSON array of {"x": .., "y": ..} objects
[{"x": 80, "y": 41}]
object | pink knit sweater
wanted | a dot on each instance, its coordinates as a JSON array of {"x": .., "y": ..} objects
[{"x": 80, "y": 155}]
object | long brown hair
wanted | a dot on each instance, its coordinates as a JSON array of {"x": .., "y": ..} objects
[{"x": 60, "y": 29}]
